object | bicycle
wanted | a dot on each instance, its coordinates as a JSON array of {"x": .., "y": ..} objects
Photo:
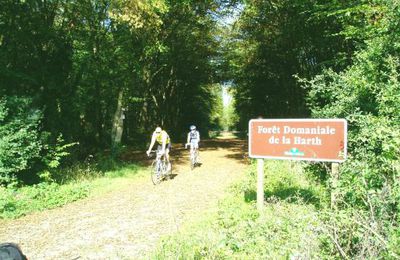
[
  {"x": 194, "y": 156},
  {"x": 159, "y": 168}
]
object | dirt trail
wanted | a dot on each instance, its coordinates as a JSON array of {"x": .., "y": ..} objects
[{"x": 129, "y": 222}]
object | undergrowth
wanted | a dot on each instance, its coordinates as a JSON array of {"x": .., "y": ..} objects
[
  {"x": 288, "y": 228},
  {"x": 83, "y": 180}
]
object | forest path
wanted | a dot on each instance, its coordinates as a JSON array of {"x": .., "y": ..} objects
[{"x": 128, "y": 223}]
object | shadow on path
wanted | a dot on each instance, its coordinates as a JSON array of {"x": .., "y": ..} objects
[{"x": 179, "y": 155}]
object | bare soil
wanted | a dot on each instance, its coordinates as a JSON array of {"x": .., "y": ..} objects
[{"x": 129, "y": 222}]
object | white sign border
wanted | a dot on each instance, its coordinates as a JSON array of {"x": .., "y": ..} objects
[{"x": 299, "y": 120}]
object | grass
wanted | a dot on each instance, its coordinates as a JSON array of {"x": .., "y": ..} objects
[
  {"x": 288, "y": 228},
  {"x": 85, "y": 182}
]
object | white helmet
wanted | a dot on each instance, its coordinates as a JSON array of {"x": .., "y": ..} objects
[
  {"x": 192, "y": 127},
  {"x": 158, "y": 130}
]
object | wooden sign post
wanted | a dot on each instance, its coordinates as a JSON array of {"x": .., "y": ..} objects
[
  {"x": 334, "y": 183},
  {"x": 260, "y": 184},
  {"x": 323, "y": 140}
]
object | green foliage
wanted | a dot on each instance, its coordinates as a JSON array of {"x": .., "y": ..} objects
[
  {"x": 59, "y": 151},
  {"x": 89, "y": 67},
  {"x": 286, "y": 181},
  {"x": 223, "y": 116},
  {"x": 230, "y": 118},
  {"x": 347, "y": 53},
  {"x": 367, "y": 94},
  {"x": 53, "y": 157},
  {"x": 216, "y": 116},
  {"x": 73, "y": 183},
  {"x": 16, "y": 203},
  {"x": 179, "y": 79},
  {"x": 24, "y": 148},
  {"x": 273, "y": 41},
  {"x": 20, "y": 143},
  {"x": 75, "y": 58},
  {"x": 289, "y": 227}
]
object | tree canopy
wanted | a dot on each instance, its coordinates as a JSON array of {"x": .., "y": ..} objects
[
  {"x": 85, "y": 63},
  {"x": 92, "y": 75}
]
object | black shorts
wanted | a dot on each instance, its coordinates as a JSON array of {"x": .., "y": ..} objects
[{"x": 167, "y": 146}]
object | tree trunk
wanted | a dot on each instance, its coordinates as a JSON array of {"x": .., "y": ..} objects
[{"x": 118, "y": 121}]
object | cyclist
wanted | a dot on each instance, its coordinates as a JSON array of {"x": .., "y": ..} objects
[
  {"x": 163, "y": 143},
  {"x": 193, "y": 138}
]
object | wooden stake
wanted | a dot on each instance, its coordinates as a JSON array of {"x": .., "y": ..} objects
[
  {"x": 260, "y": 185},
  {"x": 334, "y": 181}
]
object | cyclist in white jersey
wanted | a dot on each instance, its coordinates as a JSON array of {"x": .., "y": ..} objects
[{"x": 193, "y": 138}]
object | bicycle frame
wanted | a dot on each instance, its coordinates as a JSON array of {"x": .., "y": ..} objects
[
  {"x": 194, "y": 153},
  {"x": 160, "y": 162},
  {"x": 159, "y": 168}
]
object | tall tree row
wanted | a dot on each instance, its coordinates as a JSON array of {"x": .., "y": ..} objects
[
  {"x": 101, "y": 73},
  {"x": 332, "y": 59},
  {"x": 272, "y": 42},
  {"x": 365, "y": 223}
]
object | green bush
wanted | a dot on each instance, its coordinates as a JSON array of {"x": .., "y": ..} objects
[
  {"x": 367, "y": 94},
  {"x": 15, "y": 203},
  {"x": 20, "y": 143},
  {"x": 72, "y": 184},
  {"x": 26, "y": 151}
]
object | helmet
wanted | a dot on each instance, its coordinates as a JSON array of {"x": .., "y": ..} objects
[
  {"x": 192, "y": 127},
  {"x": 158, "y": 130}
]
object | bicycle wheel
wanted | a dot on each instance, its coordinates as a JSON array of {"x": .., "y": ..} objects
[
  {"x": 156, "y": 172},
  {"x": 192, "y": 161},
  {"x": 168, "y": 171},
  {"x": 196, "y": 157}
]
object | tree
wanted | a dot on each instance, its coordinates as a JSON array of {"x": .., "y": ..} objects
[{"x": 273, "y": 41}]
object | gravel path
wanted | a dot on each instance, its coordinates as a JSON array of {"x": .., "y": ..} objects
[{"x": 129, "y": 222}]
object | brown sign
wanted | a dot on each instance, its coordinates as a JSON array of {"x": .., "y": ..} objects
[{"x": 298, "y": 139}]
